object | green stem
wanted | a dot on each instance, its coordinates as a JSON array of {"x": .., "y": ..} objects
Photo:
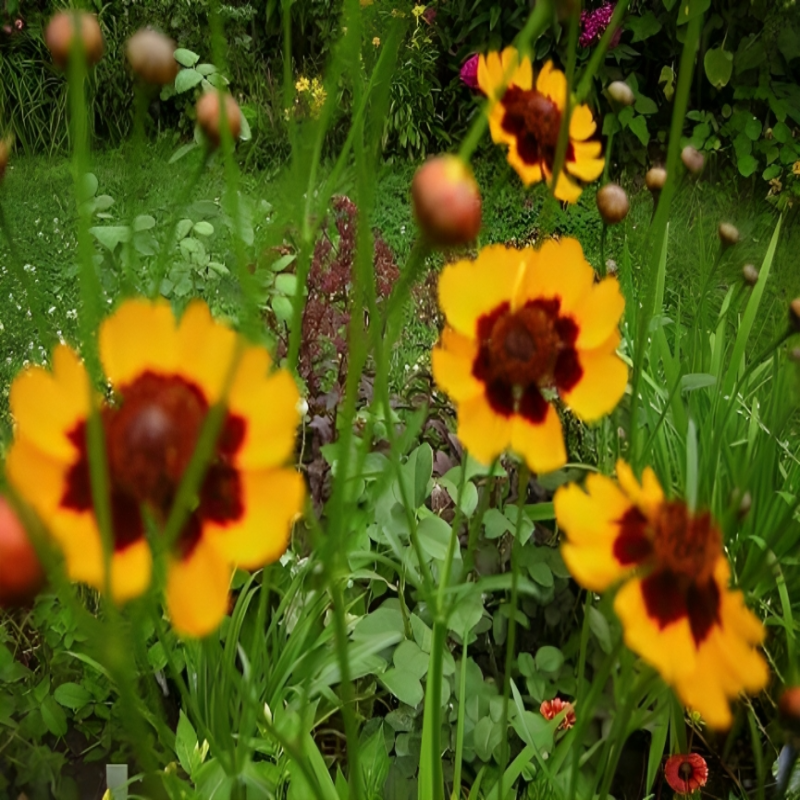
[{"x": 462, "y": 707}]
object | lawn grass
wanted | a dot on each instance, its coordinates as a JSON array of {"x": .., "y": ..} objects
[{"x": 37, "y": 198}]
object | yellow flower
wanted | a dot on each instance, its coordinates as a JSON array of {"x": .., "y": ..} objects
[
  {"x": 376, "y": 41},
  {"x": 165, "y": 376},
  {"x": 418, "y": 11},
  {"x": 676, "y": 609},
  {"x": 527, "y": 118},
  {"x": 523, "y": 324},
  {"x": 302, "y": 85}
]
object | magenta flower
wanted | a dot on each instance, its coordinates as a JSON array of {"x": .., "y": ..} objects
[
  {"x": 594, "y": 24},
  {"x": 469, "y": 72}
]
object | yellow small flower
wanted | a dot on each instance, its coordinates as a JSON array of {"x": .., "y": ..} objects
[
  {"x": 796, "y": 168},
  {"x": 376, "y": 41},
  {"x": 302, "y": 85},
  {"x": 674, "y": 601},
  {"x": 418, "y": 11}
]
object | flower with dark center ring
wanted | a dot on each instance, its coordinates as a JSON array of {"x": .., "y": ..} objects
[
  {"x": 165, "y": 377},
  {"x": 527, "y": 118},
  {"x": 523, "y": 325},
  {"x": 676, "y": 608},
  {"x": 686, "y": 773}
]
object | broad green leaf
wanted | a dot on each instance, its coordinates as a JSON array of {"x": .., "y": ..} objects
[
  {"x": 283, "y": 308},
  {"x": 103, "y": 202},
  {"x": 549, "y": 659},
  {"x": 111, "y": 235},
  {"x": 689, "y": 9},
  {"x": 203, "y": 228},
  {"x": 182, "y": 229},
  {"x": 144, "y": 222},
  {"x": 718, "y": 64},
  {"x": 72, "y": 695},
  {"x": 598, "y": 625},
  {"x": 186, "y": 745},
  {"x": 404, "y": 685},
  {"x": 434, "y": 537},
  {"x": 466, "y": 615},
  {"x": 186, "y": 58},
  {"x": 753, "y": 128},
  {"x": 286, "y": 284},
  {"x": 643, "y": 27},
  {"x": 410, "y": 657},
  {"x": 283, "y": 262},
  {"x": 487, "y": 734},
  {"x": 204, "y": 69},
  {"x": 187, "y": 79},
  {"x": 639, "y": 127},
  {"x": 53, "y": 716},
  {"x": 747, "y": 165},
  {"x": 182, "y": 151}
]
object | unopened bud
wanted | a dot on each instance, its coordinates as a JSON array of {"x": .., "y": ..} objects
[
  {"x": 209, "y": 117},
  {"x": 621, "y": 93},
  {"x": 794, "y": 354},
  {"x": 745, "y": 504},
  {"x": 693, "y": 159},
  {"x": 789, "y": 708},
  {"x": 612, "y": 203},
  {"x": 150, "y": 55},
  {"x": 655, "y": 179},
  {"x": 4, "y": 151},
  {"x": 728, "y": 234},
  {"x": 750, "y": 274},
  {"x": 794, "y": 315},
  {"x": 61, "y": 30},
  {"x": 446, "y": 201},
  {"x": 21, "y": 573}
]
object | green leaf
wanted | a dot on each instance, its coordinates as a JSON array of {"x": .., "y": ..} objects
[
  {"x": 404, "y": 685},
  {"x": 186, "y": 58},
  {"x": 53, "y": 716},
  {"x": 434, "y": 537},
  {"x": 283, "y": 262},
  {"x": 541, "y": 573},
  {"x": 782, "y": 133},
  {"x": 144, "y": 222},
  {"x": 496, "y": 523},
  {"x": 549, "y": 659},
  {"x": 187, "y": 79},
  {"x": 182, "y": 228},
  {"x": 286, "y": 284},
  {"x": 718, "y": 64},
  {"x": 753, "y": 128},
  {"x": 644, "y": 105},
  {"x": 639, "y": 127},
  {"x": 487, "y": 734},
  {"x": 204, "y": 69},
  {"x": 283, "y": 308},
  {"x": 689, "y": 9},
  {"x": 111, "y": 235},
  {"x": 466, "y": 615},
  {"x": 182, "y": 151},
  {"x": 643, "y": 27},
  {"x": 409, "y": 657},
  {"x": 186, "y": 745},
  {"x": 203, "y": 228},
  {"x": 72, "y": 695},
  {"x": 667, "y": 77},
  {"x": 103, "y": 202},
  {"x": 598, "y": 625},
  {"x": 87, "y": 186},
  {"x": 789, "y": 41},
  {"x": 747, "y": 166}
]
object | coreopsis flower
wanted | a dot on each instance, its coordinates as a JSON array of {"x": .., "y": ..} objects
[
  {"x": 165, "y": 377},
  {"x": 469, "y": 73},
  {"x": 523, "y": 326},
  {"x": 527, "y": 117},
  {"x": 594, "y": 24},
  {"x": 676, "y": 609},
  {"x": 550, "y": 709},
  {"x": 686, "y": 773}
]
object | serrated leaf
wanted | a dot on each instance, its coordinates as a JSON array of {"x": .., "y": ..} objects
[
  {"x": 186, "y": 58},
  {"x": 718, "y": 64},
  {"x": 187, "y": 79}
]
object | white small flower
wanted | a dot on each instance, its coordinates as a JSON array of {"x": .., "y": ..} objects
[{"x": 302, "y": 407}]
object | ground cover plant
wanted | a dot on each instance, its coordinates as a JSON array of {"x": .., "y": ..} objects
[{"x": 312, "y": 492}]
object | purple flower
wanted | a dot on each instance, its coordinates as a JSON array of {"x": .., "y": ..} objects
[
  {"x": 469, "y": 72},
  {"x": 594, "y": 24}
]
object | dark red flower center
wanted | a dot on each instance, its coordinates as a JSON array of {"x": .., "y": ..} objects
[
  {"x": 521, "y": 352},
  {"x": 150, "y": 436},
  {"x": 535, "y": 121},
  {"x": 680, "y": 550}
]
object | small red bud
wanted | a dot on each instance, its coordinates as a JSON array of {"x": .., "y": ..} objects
[
  {"x": 61, "y": 29},
  {"x": 150, "y": 55},
  {"x": 789, "y": 708},
  {"x": 208, "y": 116},
  {"x": 446, "y": 201},
  {"x": 21, "y": 573},
  {"x": 612, "y": 203}
]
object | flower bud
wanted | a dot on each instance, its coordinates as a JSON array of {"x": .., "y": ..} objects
[
  {"x": 21, "y": 573},
  {"x": 61, "y": 29},
  {"x": 794, "y": 354},
  {"x": 612, "y": 203},
  {"x": 789, "y": 708},
  {"x": 621, "y": 93},
  {"x": 209, "y": 116},
  {"x": 150, "y": 55},
  {"x": 728, "y": 234},
  {"x": 693, "y": 159},
  {"x": 750, "y": 274},
  {"x": 4, "y": 151},
  {"x": 655, "y": 179},
  {"x": 446, "y": 201},
  {"x": 794, "y": 315}
]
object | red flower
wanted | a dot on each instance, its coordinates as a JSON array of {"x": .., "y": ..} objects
[
  {"x": 550, "y": 709},
  {"x": 685, "y": 773}
]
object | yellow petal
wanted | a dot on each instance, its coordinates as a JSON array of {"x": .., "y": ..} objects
[
  {"x": 197, "y": 590},
  {"x": 648, "y": 495},
  {"x": 598, "y": 314},
  {"x": 139, "y": 336},
  {"x": 36, "y": 475},
  {"x": 594, "y": 568},
  {"x": 671, "y": 650},
  {"x": 205, "y": 350},
  {"x": 559, "y": 270},
  {"x": 452, "y": 364},
  {"x": 272, "y": 499},
  {"x": 542, "y": 445},
  {"x": 528, "y": 173},
  {"x": 130, "y": 571},
  {"x": 47, "y": 406},
  {"x": 484, "y": 432},
  {"x": 553, "y": 83},
  {"x": 581, "y": 123},
  {"x": 470, "y": 289},
  {"x": 268, "y": 405},
  {"x": 566, "y": 189},
  {"x": 585, "y": 167},
  {"x": 601, "y": 385},
  {"x": 490, "y": 74},
  {"x": 519, "y": 70},
  {"x": 79, "y": 538},
  {"x": 499, "y": 134}
]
